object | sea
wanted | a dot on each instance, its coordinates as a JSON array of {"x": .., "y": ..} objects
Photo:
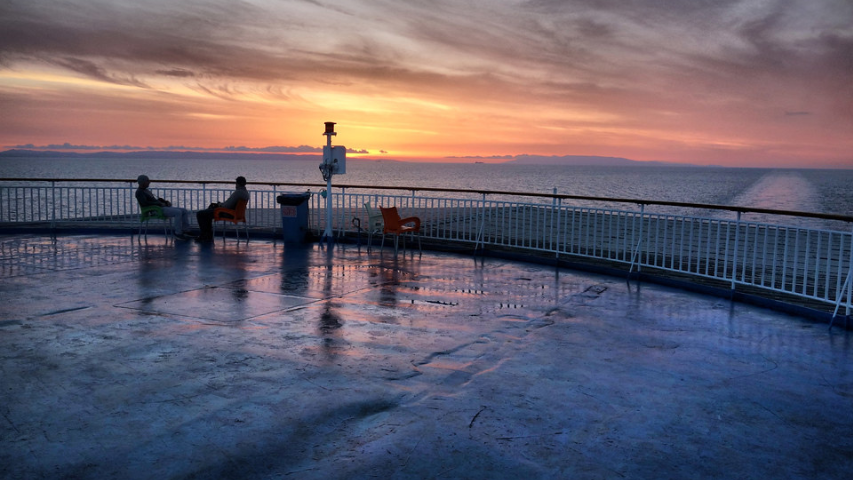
[{"x": 803, "y": 190}]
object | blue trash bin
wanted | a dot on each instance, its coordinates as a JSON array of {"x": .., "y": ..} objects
[{"x": 294, "y": 216}]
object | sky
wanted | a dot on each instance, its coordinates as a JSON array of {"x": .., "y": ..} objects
[{"x": 759, "y": 83}]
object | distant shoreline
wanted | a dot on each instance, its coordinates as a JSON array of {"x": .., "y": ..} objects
[
  {"x": 565, "y": 160},
  {"x": 591, "y": 160},
  {"x": 553, "y": 160}
]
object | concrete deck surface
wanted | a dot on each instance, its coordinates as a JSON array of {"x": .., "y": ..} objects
[{"x": 162, "y": 360}]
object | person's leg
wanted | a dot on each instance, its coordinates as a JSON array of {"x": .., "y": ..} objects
[
  {"x": 177, "y": 216},
  {"x": 205, "y": 223},
  {"x": 185, "y": 219}
]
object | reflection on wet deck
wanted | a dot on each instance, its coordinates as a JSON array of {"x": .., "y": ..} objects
[{"x": 157, "y": 360}]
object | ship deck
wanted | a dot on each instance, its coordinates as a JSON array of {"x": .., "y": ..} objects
[{"x": 126, "y": 358}]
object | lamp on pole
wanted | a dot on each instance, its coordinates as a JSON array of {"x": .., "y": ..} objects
[{"x": 334, "y": 161}]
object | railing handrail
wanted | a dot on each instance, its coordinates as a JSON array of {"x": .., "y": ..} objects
[{"x": 635, "y": 201}]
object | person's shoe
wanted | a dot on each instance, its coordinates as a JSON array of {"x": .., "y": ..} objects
[
  {"x": 181, "y": 236},
  {"x": 203, "y": 239}
]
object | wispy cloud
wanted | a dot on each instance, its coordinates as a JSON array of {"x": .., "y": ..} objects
[
  {"x": 264, "y": 41},
  {"x": 97, "y": 72},
  {"x": 278, "y": 149},
  {"x": 69, "y": 146},
  {"x": 484, "y": 157}
]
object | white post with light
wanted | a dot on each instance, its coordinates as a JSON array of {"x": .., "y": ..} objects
[{"x": 334, "y": 162}]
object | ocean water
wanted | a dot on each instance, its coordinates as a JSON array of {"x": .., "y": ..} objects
[{"x": 822, "y": 191}]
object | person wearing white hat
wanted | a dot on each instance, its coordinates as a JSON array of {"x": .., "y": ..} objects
[{"x": 180, "y": 216}]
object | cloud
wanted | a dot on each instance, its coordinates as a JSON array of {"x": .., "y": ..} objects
[
  {"x": 69, "y": 146},
  {"x": 538, "y": 74},
  {"x": 567, "y": 44},
  {"x": 486, "y": 157},
  {"x": 92, "y": 70},
  {"x": 176, "y": 72},
  {"x": 271, "y": 149},
  {"x": 113, "y": 41},
  {"x": 277, "y": 149}
]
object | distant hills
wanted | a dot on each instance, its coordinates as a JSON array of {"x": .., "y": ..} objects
[
  {"x": 587, "y": 160},
  {"x": 571, "y": 160}
]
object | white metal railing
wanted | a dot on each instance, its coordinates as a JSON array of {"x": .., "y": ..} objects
[
  {"x": 116, "y": 204},
  {"x": 806, "y": 262}
]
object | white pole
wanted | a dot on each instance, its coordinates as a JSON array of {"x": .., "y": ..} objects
[
  {"x": 327, "y": 234},
  {"x": 327, "y": 170}
]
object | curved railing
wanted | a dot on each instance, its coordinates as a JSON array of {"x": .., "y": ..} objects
[{"x": 776, "y": 253}]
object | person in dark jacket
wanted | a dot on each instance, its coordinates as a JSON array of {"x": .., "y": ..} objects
[{"x": 205, "y": 217}]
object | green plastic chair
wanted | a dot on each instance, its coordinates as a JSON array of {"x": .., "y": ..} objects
[
  {"x": 375, "y": 224},
  {"x": 153, "y": 212}
]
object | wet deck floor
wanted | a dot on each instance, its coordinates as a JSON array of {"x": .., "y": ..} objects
[{"x": 162, "y": 360}]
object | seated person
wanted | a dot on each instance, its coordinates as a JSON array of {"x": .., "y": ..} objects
[
  {"x": 180, "y": 216},
  {"x": 205, "y": 217}
]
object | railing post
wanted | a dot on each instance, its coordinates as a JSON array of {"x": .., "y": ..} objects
[
  {"x": 850, "y": 277},
  {"x": 735, "y": 253},
  {"x": 130, "y": 203},
  {"x": 848, "y": 287},
  {"x": 551, "y": 223},
  {"x": 635, "y": 256},
  {"x": 840, "y": 295},
  {"x": 53, "y": 205},
  {"x": 342, "y": 204},
  {"x": 277, "y": 209},
  {"x": 559, "y": 202},
  {"x": 482, "y": 227}
]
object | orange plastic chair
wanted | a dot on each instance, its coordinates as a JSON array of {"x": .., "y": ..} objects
[
  {"x": 235, "y": 216},
  {"x": 397, "y": 226}
]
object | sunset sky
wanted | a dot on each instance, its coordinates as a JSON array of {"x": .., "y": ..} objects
[{"x": 725, "y": 82}]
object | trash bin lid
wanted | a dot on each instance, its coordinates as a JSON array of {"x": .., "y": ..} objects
[{"x": 294, "y": 198}]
